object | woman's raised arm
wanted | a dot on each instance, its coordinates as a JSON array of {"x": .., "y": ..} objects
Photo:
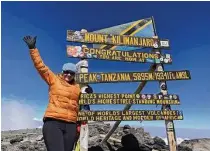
[{"x": 43, "y": 70}]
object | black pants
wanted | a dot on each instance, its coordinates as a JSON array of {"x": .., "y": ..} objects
[{"x": 59, "y": 135}]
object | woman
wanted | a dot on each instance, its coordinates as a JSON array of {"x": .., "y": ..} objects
[{"x": 59, "y": 129}]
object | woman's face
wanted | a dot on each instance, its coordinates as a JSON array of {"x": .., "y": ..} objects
[{"x": 68, "y": 75}]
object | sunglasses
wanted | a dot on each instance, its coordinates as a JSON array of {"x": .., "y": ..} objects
[{"x": 68, "y": 72}]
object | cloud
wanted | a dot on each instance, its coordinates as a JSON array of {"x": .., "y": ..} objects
[
  {"x": 37, "y": 119},
  {"x": 179, "y": 140},
  {"x": 17, "y": 114},
  {"x": 190, "y": 133}
]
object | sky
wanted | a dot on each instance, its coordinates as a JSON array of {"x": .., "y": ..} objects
[{"x": 25, "y": 94}]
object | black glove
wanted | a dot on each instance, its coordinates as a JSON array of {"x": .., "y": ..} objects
[{"x": 30, "y": 41}]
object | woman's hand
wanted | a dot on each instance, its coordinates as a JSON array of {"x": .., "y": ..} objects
[{"x": 30, "y": 41}]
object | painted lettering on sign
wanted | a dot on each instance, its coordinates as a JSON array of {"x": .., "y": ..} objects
[
  {"x": 131, "y": 115},
  {"x": 87, "y": 37},
  {"x": 117, "y": 55},
  {"x": 132, "y": 76},
  {"x": 114, "y": 98},
  {"x": 128, "y": 101}
]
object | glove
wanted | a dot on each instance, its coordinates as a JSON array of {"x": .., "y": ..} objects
[{"x": 30, "y": 41}]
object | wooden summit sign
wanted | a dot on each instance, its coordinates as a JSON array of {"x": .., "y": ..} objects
[
  {"x": 130, "y": 115},
  {"x": 126, "y": 98},
  {"x": 87, "y": 37},
  {"x": 127, "y": 37},
  {"x": 132, "y": 76},
  {"x": 117, "y": 55}
]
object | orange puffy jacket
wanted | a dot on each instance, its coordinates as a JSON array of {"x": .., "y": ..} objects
[{"x": 63, "y": 97}]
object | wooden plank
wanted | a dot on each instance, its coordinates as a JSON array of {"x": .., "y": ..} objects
[
  {"x": 117, "y": 55},
  {"x": 131, "y": 115},
  {"x": 115, "y": 77},
  {"x": 119, "y": 40},
  {"x": 126, "y": 98}
]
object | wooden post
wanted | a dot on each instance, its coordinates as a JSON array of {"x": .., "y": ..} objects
[
  {"x": 82, "y": 67},
  {"x": 169, "y": 124}
]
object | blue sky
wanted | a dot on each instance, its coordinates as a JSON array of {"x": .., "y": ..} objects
[{"x": 185, "y": 24}]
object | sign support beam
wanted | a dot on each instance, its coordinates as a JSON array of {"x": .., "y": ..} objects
[
  {"x": 170, "y": 130},
  {"x": 82, "y": 67}
]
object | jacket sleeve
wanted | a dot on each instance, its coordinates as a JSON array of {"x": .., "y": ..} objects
[{"x": 43, "y": 70}]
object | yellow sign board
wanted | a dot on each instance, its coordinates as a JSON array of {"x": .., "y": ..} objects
[
  {"x": 117, "y": 55},
  {"x": 117, "y": 98},
  {"x": 130, "y": 115},
  {"x": 118, "y": 40},
  {"x": 132, "y": 76}
]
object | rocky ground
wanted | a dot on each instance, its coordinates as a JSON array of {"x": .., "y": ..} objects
[{"x": 32, "y": 140}]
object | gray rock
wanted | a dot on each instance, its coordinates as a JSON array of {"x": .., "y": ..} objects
[
  {"x": 147, "y": 138},
  {"x": 184, "y": 148},
  {"x": 32, "y": 140},
  {"x": 24, "y": 145},
  {"x": 101, "y": 130},
  {"x": 4, "y": 147},
  {"x": 16, "y": 139},
  {"x": 159, "y": 142},
  {"x": 40, "y": 138},
  {"x": 196, "y": 144},
  {"x": 145, "y": 148},
  {"x": 93, "y": 140}
]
